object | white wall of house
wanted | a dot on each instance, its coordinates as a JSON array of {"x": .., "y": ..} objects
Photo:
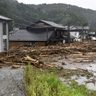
[
  {"x": 75, "y": 34},
  {"x": 3, "y": 37},
  {"x": 7, "y": 36}
]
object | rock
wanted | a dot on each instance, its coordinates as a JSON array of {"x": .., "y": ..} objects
[
  {"x": 63, "y": 63},
  {"x": 60, "y": 67}
]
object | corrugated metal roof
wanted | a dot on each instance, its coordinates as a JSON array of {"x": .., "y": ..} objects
[
  {"x": 53, "y": 24},
  {"x": 4, "y": 18}
]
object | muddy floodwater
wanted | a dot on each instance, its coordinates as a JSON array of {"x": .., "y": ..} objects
[{"x": 81, "y": 70}]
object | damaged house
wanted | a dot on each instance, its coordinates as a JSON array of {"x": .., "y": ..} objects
[
  {"x": 41, "y": 31},
  {"x": 45, "y": 32},
  {"x": 4, "y": 41},
  {"x": 78, "y": 33}
]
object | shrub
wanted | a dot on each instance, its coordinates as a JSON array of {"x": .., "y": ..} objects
[{"x": 42, "y": 83}]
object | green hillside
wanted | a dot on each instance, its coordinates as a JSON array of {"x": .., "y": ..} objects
[{"x": 24, "y": 15}]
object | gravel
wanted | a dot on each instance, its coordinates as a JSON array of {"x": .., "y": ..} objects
[{"x": 11, "y": 82}]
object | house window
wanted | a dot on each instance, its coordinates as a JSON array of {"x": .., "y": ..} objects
[{"x": 4, "y": 28}]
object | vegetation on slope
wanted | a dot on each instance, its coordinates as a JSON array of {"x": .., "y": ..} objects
[
  {"x": 24, "y": 15},
  {"x": 42, "y": 83}
]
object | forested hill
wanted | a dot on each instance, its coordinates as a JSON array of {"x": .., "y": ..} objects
[{"x": 24, "y": 14}]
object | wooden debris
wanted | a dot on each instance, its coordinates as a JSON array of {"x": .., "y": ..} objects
[
  {"x": 34, "y": 62},
  {"x": 31, "y": 59},
  {"x": 15, "y": 66},
  {"x": 63, "y": 63},
  {"x": 24, "y": 55}
]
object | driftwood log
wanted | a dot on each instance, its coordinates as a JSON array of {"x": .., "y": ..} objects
[{"x": 34, "y": 62}]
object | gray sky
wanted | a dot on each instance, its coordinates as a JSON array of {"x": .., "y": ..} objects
[{"x": 81, "y": 3}]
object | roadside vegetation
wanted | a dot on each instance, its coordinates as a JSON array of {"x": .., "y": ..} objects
[{"x": 42, "y": 83}]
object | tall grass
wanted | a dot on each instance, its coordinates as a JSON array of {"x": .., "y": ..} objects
[{"x": 42, "y": 83}]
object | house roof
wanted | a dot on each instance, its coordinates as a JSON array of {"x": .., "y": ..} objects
[
  {"x": 4, "y": 18},
  {"x": 77, "y": 27},
  {"x": 53, "y": 24}
]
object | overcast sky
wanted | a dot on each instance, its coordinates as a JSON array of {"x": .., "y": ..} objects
[{"x": 81, "y": 3}]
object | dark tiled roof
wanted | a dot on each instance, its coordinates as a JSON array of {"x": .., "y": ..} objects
[{"x": 53, "y": 24}]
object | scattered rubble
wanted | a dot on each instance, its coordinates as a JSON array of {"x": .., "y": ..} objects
[
  {"x": 79, "y": 52},
  {"x": 52, "y": 56}
]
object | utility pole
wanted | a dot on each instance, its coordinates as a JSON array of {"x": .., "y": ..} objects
[
  {"x": 69, "y": 33},
  {"x": 68, "y": 24},
  {"x": 47, "y": 36}
]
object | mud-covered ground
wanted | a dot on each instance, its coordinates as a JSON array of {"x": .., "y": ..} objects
[
  {"x": 11, "y": 83},
  {"x": 78, "y": 67},
  {"x": 75, "y": 62}
]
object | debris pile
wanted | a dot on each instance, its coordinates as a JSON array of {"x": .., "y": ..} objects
[
  {"x": 22, "y": 57},
  {"x": 25, "y": 55}
]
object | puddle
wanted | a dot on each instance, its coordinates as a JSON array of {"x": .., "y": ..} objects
[
  {"x": 90, "y": 83},
  {"x": 92, "y": 68},
  {"x": 91, "y": 86},
  {"x": 81, "y": 80}
]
